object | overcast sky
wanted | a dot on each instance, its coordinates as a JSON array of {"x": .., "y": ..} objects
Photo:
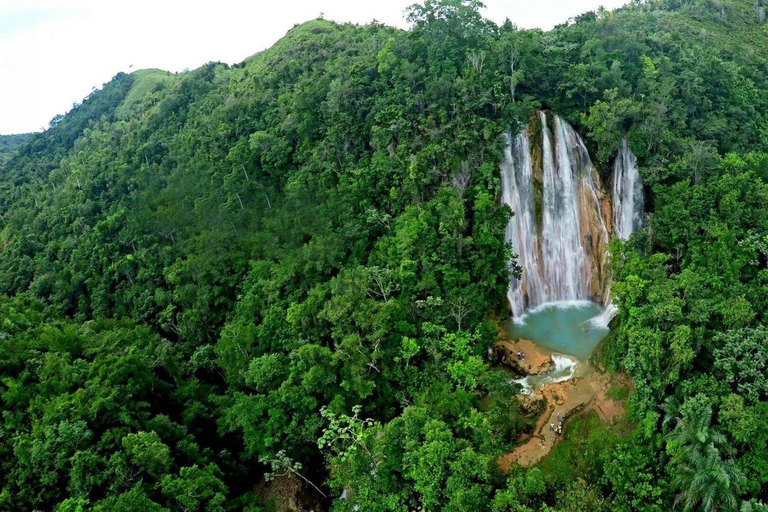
[{"x": 53, "y": 52}]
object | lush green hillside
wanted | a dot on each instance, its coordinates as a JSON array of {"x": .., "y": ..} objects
[
  {"x": 287, "y": 269},
  {"x": 9, "y": 144}
]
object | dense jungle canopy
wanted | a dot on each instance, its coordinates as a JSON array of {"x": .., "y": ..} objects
[{"x": 291, "y": 270}]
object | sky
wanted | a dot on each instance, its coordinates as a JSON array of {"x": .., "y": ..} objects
[{"x": 53, "y": 53}]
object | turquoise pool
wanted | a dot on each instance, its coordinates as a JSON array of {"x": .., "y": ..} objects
[{"x": 573, "y": 328}]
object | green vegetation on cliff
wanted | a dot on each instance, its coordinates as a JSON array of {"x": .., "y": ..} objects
[{"x": 287, "y": 269}]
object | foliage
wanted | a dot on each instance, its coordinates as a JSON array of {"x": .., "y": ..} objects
[
  {"x": 9, "y": 144},
  {"x": 289, "y": 265},
  {"x": 691, "y": 294},
  {"x": 705, "y": 480}
]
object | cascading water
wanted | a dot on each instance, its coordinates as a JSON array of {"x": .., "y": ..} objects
[
  {"x": 627, "y": 212},
  {"x": 563, "y": 220},
  {"x": 518, "y": 192},
  {"x": 564, "y": 367},
  {"x": 565, "y": 270},
  {"x": 627, "y": 194},
  {"x": 559, "y": 228}
]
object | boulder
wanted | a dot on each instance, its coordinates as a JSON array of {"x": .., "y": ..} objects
[{"x": 535, "y": 360}]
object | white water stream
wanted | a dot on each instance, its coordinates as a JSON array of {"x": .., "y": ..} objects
[
  {"x": 627, "y": 194},
  {"x": 565, "y": 367}
]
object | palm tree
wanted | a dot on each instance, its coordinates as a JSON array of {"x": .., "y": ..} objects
[{"x": 705, "y": 480}]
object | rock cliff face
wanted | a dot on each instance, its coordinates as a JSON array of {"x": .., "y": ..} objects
[{"x": 594, "y": 227}]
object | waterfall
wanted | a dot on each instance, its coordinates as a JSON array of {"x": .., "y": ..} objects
[
  {"x": 627, "y": 213},
  {"x": 627, "y": 194},
  {"x": 559, "y": 228},
  {"x": 627, "y": 202},
  {"x": 522, "y": 231},
  {"x": 563, "y": 253}
]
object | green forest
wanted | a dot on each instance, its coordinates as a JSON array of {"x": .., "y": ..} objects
[
  {"x": 283, "y": 278},
  {"x": 10, "y": 143}
]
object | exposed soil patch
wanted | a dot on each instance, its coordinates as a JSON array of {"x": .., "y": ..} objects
[{"x": 287, "y": 494}]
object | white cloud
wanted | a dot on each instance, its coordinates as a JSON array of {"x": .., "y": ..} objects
[{"x": 52, "y": 55}]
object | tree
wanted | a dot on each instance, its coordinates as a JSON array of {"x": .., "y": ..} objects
[
  {"x": 704, "y": 479},
  {"x": 282, "y": 465},
  {"x": 196, "y": 489},
  {"x": 741, "y": 359}
]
